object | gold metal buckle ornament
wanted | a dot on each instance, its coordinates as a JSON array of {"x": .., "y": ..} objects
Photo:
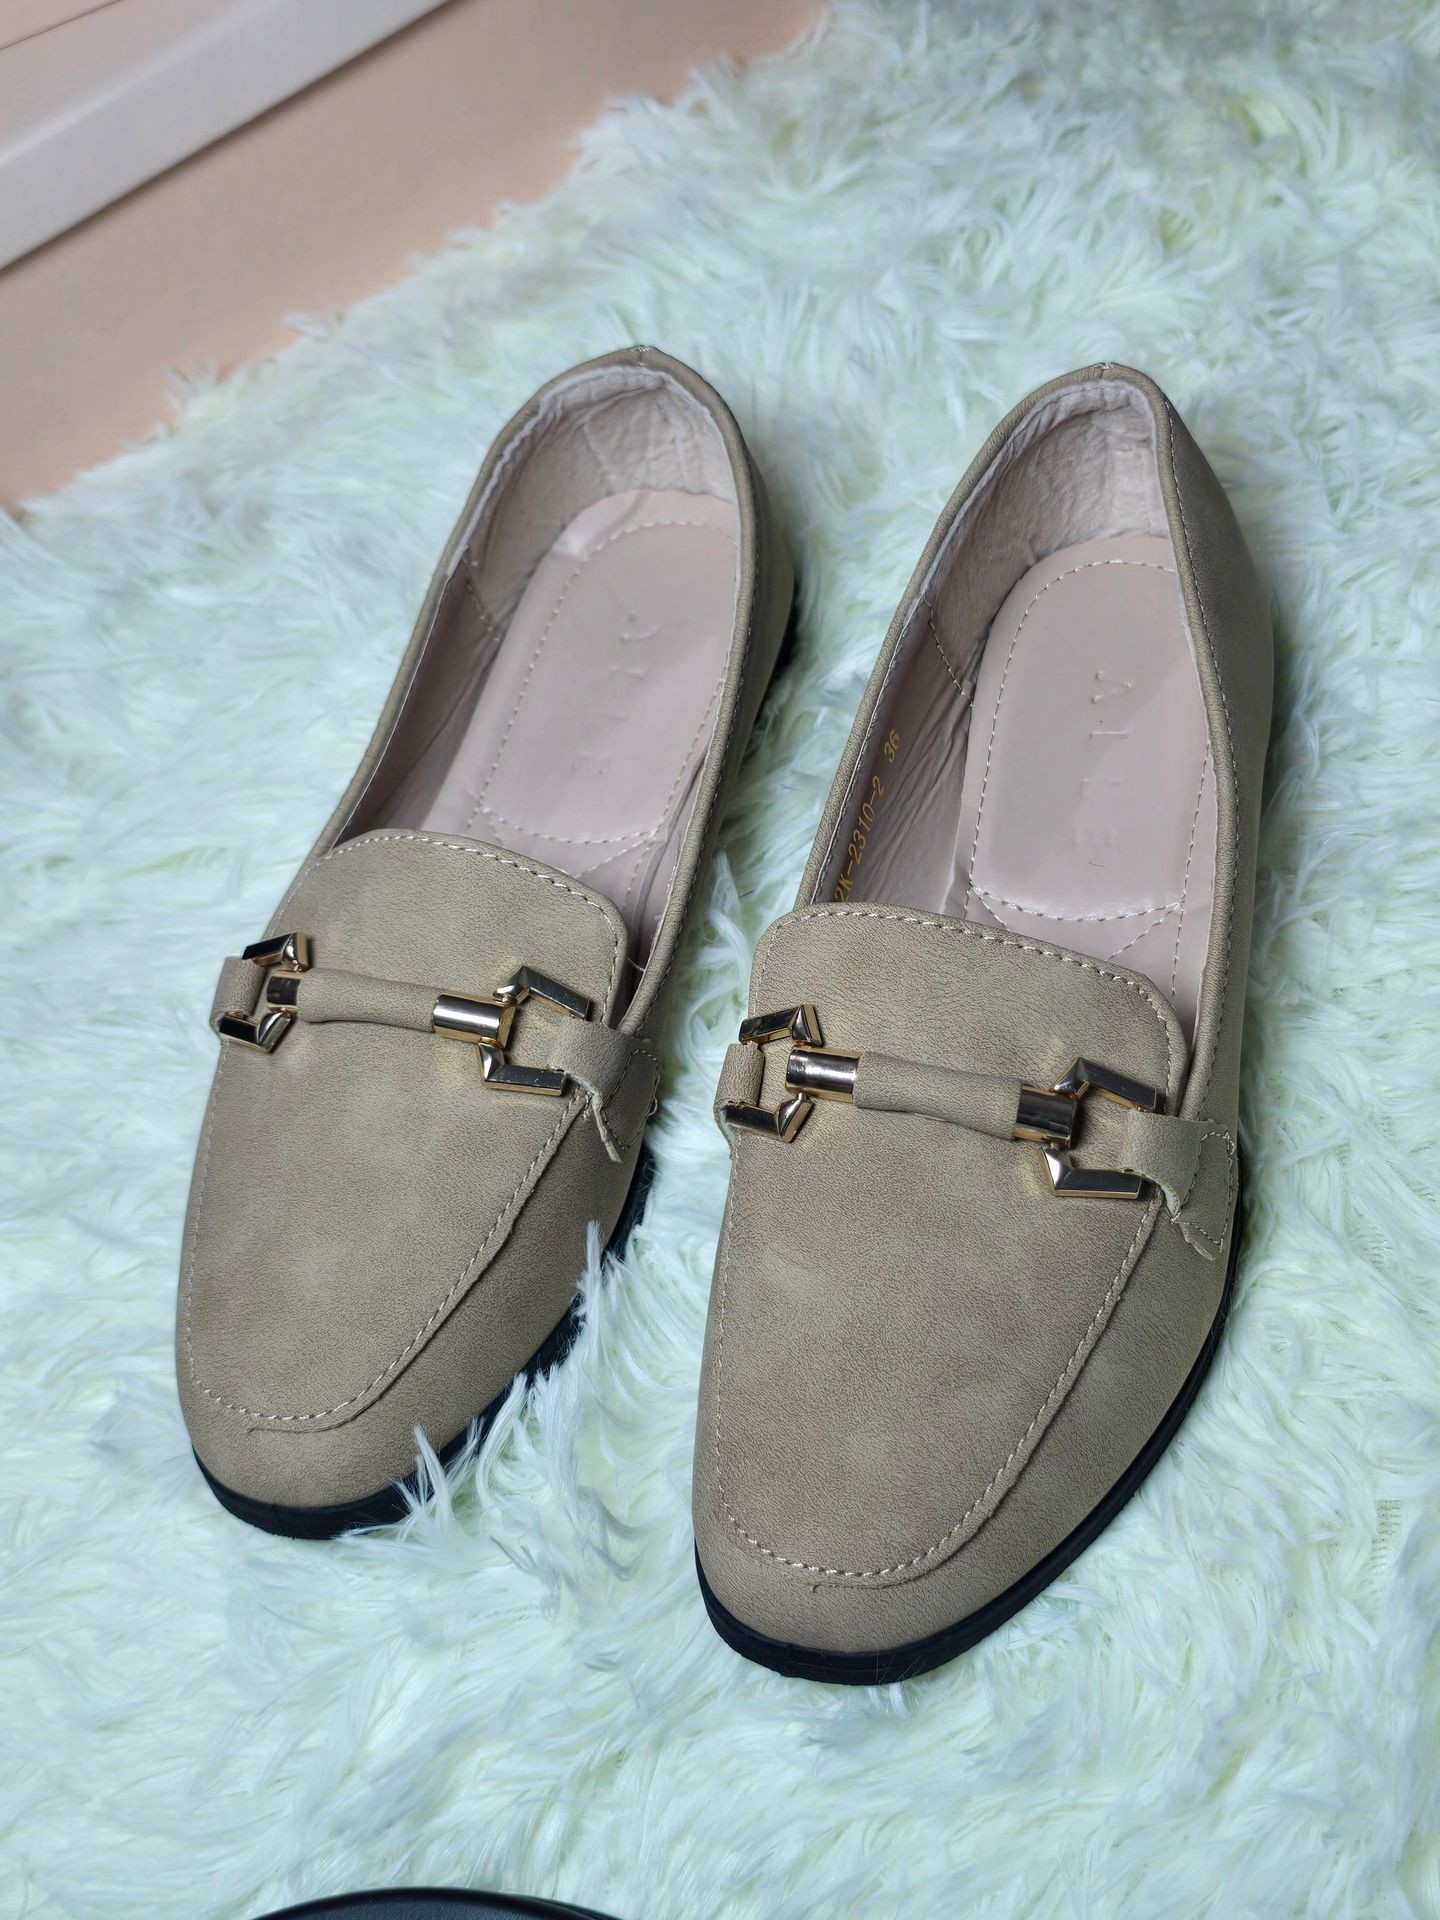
[
  {"x": 486, "y": 1024},
  {"x": 1049, "y": 1119},
  {"x": 813, "y": 1072},
  {"x": 283, "y": 959}
]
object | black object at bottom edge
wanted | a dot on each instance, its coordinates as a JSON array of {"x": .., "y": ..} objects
[
  {"x": 392, "y": 1502},
  {"x": 880, "y": 1668},
  {"x": 433, "y": 1903}
]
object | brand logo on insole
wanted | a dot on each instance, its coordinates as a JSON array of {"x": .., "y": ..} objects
[
  {"x": 1095, "y": 820},
  {"x": 634, "y": 629}
]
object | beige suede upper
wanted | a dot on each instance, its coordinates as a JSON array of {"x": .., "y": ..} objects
[
  {"x": 923, "y": 1370},
  {"x": 378, "y": 1239}
]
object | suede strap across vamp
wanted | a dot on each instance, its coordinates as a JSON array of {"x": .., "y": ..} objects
[
  {"x": 1164, "y": 1149},
  {"x": 618, "y": 1071}
]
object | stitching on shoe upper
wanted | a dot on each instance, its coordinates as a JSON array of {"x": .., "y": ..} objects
[
  {"x": 988, "y": 936},
  {"x": 1188, "y": 1228},
  {"x": 1087, "y": 1339},
  {"x": 1084, "y": 566},
  {"x": 572, "y": 1107},
  {"x": 1063, "y": 1380},
  {"x": 479, "y": 853},
  {"x": 502, "y": 1219},
  {"x": 642, "y": 1048}
]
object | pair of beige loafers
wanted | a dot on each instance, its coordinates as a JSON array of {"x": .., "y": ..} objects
[{"x": 982, "y": 1216}]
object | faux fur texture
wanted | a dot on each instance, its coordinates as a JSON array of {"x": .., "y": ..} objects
[{"x": 874, "y": 246}]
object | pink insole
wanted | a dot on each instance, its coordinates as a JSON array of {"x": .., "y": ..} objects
[
  {"x": 585, "y": 745},
  {"x": 1088, "y": 799}
]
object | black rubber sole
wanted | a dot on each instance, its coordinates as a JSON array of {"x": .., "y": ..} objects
[
  {"x": 390, "y": 1503},
  {"x": 906, "y": 1662},
  {"x": 789, "y": 640}
]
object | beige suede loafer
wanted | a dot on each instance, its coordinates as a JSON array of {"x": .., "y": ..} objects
[
  {"x": 982, "y": 1216},
  {"x": 437, "y": 1064}
]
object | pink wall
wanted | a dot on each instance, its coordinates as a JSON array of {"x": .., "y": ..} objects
[{"x": 322, "y": 200}]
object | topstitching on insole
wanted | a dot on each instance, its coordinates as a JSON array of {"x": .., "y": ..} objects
[
  {"x": 662, "y": 830},
  {"x": 1084, "y": 566},
  {"x": 1136, "y": 938},
  {"x": 964, "y": 691},
  {"x": 628, "y": 836},
  {"x": 1189, "y": 860},
  {"x": 1072, "y": 919},
  {"x": 619, "y": 842}
]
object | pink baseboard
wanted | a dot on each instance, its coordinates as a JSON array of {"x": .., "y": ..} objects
[
  {"x": 323, "y": 200},
  {"x": 98, "y": 100}
]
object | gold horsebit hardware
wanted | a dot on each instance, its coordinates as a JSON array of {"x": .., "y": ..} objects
[
  {"x": 283, "y": 959},
  {"x": 1047, "y": 1118},
  {"x": 485, "y": 1024}
]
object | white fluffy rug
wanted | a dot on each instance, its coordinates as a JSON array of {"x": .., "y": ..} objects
[{"x": 873, "y": 245}]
